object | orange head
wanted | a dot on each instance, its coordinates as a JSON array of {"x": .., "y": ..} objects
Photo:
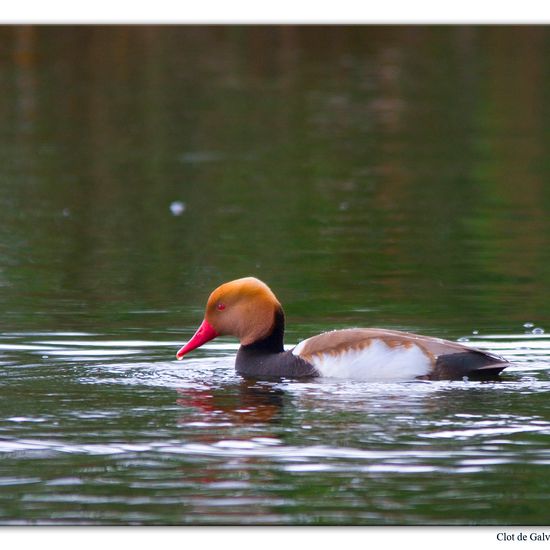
[{"x": 244, "y": 308}]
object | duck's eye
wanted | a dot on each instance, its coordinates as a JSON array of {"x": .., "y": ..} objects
[{"x": 220, "y": 307}]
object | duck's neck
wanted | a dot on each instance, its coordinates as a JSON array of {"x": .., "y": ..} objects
[
  {"x": 273, "y": 342},
  {"x": 267, "y": 358}
]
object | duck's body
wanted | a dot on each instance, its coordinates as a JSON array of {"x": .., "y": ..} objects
[{"x": 248, "y": 309}]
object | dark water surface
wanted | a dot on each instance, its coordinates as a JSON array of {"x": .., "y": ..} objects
[{"x": 390, "y": 177}]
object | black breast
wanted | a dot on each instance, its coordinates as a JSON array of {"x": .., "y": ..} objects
[
  {"x": 256, "y": 363},
  {"x": 266, "y": 358}
]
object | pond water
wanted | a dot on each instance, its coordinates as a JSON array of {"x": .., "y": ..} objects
[{"x": 372, "y": 176}]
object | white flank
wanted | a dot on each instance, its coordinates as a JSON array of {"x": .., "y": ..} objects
[{"x": 376, "y": 362}]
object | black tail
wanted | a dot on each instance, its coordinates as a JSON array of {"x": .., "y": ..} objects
[{"x": 476, "y": 365}]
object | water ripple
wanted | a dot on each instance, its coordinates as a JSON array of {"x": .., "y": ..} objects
[{"x": 161, "y": 434}]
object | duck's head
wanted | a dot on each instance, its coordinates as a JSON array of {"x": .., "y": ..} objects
[{"x": 244, "y": 308}]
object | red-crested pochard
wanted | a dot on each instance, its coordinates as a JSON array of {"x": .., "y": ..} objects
[{"x": 247, "y": 309}]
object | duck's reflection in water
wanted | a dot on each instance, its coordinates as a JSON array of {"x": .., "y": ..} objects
[
  {"x": 233, "y": 426},
  {"x": 244, "y": 403}
]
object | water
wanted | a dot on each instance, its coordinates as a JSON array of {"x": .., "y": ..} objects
[
  {"x": 390, "y": 177},
  {"x": 98, "y": 430}
]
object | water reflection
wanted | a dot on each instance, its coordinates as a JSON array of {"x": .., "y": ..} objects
[
  {"x": 226, "y": 450},
  {"x": 420, "y": 148},
  {"x": 248, "y": 402}
]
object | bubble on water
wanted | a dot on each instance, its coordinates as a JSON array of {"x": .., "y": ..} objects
[
  {"x": 537, "y": 330},
  {"x": 177, "y": 208},
  {"x": 528, "y": 325},
  {"x": 475, "y": 331}
]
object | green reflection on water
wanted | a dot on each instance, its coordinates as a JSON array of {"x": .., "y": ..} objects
[{"x": 399, "y": 170}]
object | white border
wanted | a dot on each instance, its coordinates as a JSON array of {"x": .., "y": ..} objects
[
  {"x": 282, "y": 11},
  {"x": 257, "y": 12},
  {"x": 267, "y": 538}
]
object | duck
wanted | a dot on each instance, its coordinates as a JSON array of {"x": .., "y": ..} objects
[{"x": 247, "y": 309}]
